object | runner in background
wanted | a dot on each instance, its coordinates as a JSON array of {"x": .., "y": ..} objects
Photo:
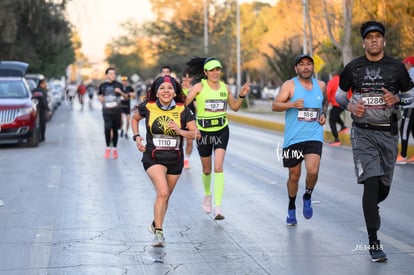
[
  {"x": 90, "y": 89},
  {"x": 109, "y": 94},
  {"x": 126, "y": 106},
  {"x": 81, "y": 91},
  {"x": 407, "y": 121},
  {"x": 336, "y": 110},
  {"x": 186, "y": 83}
]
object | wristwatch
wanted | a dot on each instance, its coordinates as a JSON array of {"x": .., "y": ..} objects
[{"x": 134, "y": 137}]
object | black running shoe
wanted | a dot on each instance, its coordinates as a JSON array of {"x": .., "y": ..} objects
[{"x": 377, "y": 253}]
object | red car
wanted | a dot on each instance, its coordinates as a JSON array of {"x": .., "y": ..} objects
[{"x": 19, "y": 121}]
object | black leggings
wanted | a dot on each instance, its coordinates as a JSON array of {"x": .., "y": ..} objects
[
  {"x": 407, "y": 127},
  {"x": 374, "y": 192},
  {"x": 334, "y": 118},
  {"x": 112, "y": 124}
]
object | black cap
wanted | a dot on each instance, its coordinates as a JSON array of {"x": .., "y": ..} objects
[
  {"x": 371, "y": 26},
  {"x": 302, "y": 56}
]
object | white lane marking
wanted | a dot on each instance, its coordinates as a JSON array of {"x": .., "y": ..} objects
[
  {"x": 55, "y": 177},
  {"x": 40, "y": 252}
]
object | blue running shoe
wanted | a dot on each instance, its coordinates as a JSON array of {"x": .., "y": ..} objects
[
  {"x": 291, "y": 217},
  {"x": 307, "y": 208}
]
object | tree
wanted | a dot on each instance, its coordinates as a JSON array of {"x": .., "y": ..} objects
[
  {"x": 280, "y": 58},
  {"x": 343, "y": 42},
  {"x": 177, "y": 33},
  {"x": 37, "y": 33}
]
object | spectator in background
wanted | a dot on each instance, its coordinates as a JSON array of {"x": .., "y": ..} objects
[
  {"x": 336, "y": 110},
  {"x": 407, "y": 121},
  {"x": 40, "y": 93}
]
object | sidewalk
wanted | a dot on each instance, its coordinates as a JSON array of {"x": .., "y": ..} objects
[{"x": 259, "y": 114}]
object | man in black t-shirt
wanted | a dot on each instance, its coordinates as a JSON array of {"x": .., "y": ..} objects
[
  {"x": 109, "y": 94},
  {"x": 377, "y": 82}
]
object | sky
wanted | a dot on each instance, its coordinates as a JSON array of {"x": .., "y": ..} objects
[{"x": 98, "y": 21}]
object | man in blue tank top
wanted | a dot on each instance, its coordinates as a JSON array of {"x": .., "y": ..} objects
[{"x": 304, "y": 101}]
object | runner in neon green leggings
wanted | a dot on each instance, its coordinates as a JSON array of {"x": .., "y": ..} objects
[{"x": 212, "y": 97}]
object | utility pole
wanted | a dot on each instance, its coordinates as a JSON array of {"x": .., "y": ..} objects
[
  {"x": 305, "y": 25},
  {"x": 307, "y": 29},
  {"x": 206, "y": 28},
  {"x": 238, "y": 86}
]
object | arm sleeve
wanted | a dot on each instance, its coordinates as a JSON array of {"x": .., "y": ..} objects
[
  {"x": 344, "y": 86},
  {"x": 341, "y": 97}
]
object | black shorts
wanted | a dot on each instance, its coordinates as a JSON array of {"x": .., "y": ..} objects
[
  {"x": 172, "y": 169},
  {"x": 210, "y": 141},
  {"x": 112, "y": 119},
  {"x": 126, "y": 110},
  {"x": 294, "y": 154}
]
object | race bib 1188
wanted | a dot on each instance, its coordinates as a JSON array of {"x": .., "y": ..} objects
[{"x": 308, "y": 114}]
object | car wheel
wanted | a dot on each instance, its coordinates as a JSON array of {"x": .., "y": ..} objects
[{"x": 33, "y": 141}]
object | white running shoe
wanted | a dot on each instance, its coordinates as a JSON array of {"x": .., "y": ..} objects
[
  {"x": 218, "y": 214},
  {"x": 151, "y": 228},
  {"x": 207, "y": 204},
  {"x": 158, "y": 239}
]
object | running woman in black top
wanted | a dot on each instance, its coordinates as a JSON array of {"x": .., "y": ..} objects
[
  {"x": 168, "y": 120},
  {"x": 377, "y": 82}
]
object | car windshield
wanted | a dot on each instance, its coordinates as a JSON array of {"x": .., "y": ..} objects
[{"x": 12, "y": 89}]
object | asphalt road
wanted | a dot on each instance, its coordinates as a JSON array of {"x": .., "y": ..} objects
[{"x": 69, "y": 211}]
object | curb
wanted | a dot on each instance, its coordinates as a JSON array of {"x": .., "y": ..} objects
[{"x": 279, "y": 127}]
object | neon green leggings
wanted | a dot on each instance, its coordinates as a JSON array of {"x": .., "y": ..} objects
[{"x": 218, "y": 186}]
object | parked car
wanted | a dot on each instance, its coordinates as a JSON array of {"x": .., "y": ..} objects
[
  {"x": 270, "y": 92},
  {"x": 35, "y": 77},
  {"x": 255, "y": 91},
  {"x": 19, "y": 120},
  {"x": 56, "y": 93}
]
